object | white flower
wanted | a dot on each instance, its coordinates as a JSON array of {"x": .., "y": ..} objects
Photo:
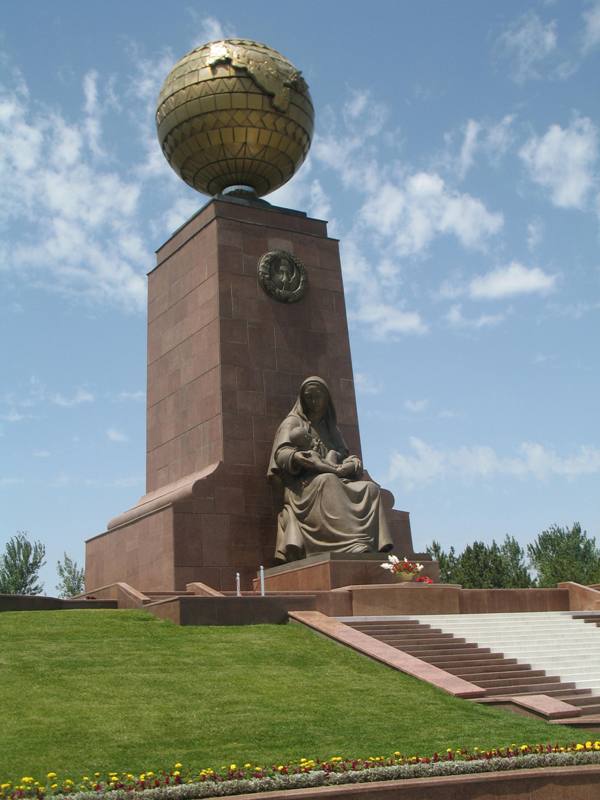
[{"x": 390, "y": 563}]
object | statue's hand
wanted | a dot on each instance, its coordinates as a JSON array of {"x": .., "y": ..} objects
[
  {"x": 306, "y": 459},
  {"x": 346, "y": 470},
  {"x": 354, "y": 466}
]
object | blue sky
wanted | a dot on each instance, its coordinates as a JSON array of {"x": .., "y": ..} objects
[{"x": 456, "y": 156}]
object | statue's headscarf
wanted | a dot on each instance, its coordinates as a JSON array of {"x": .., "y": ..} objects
[{"x": 298, "y": 416}]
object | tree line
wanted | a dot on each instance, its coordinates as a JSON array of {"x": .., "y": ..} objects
[
  {"x": 20, "y": 565},
  {"x": 557, "y": 554}
]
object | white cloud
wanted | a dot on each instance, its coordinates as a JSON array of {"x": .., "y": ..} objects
[
  {"x": 423, "y": 207},
  {"x": 448, "y": 290},
  {"x": 41, "y": 454},
  {"x": 425, "y": 463},
  {"x": 456, "y": 319},
  {"x": 416, "y": 406},
  {"x": 12, "y": 416},
  {"x": 365, "y": 384},
  {"x": 535, "y": 233},
  {"x": 80, "y": 396},
  {"x": 357, "y": 104},
  {"x": 492, "y": 139},
  {"x": 93, "y": 113},
  {"x": 469, "y": 145},
  {"x": 499, "y": 137},
  {"x": 116, "y": 483},
  {"x": 591, "y": 33},
  {"x": 210, "y": 29},
  {"x": 80, "y": 218},
  {"x": 115, "y": 435},
  {"x": 385, "y": 320},
  {"x": 563, "y": 160},
  {"x": 509, "y": 281},
  {"x": 527, "y": 43},
  {"x": 10, "y": 482},
  {"x": 136, "y": 396},
  {"x": 181, "y": 210}
]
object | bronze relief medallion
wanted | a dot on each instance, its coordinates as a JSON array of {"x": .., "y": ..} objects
[{"x": 282, "y": 276}]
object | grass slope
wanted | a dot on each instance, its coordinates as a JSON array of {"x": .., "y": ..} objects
[{"x": 97, "y": 690}]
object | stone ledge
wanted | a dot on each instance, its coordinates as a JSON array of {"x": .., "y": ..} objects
[
  {"x": 549, "y": 783},
  {"x": 387, "y": 654}
]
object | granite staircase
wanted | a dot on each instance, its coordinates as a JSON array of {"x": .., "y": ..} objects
[{"x": 501, "y": 674}]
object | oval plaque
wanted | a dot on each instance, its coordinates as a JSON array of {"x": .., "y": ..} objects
[{"x": 282, "y": 276}]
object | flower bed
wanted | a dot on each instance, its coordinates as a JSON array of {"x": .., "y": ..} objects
[{"x": 186, "y": 784}]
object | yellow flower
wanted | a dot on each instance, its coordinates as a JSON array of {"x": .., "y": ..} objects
[
  {"x": 178, "y": 765},
  {"x": 247, "y": 766},
  {"x": 54, "y": 786},
  {"x": 233, "y": 766},
  {"x": 579, "y": 747},
  {"x": 177, "y": 772},
  {"x": 51, "y": 775}
]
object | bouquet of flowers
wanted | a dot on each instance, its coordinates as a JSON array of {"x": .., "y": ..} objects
[{"x": 404, "y": 567}]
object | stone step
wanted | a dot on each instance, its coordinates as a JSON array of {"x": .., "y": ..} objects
[
  {"x": 482, "y": 669},
  {"x": 568, "y": 692},
  {"x": 533, "y": 688},
  {"x": 591, "y": 710},
  {"x": 425, "y": 654},
  {"x": 434, "y": 639},
  {"x": 527, "y": 679},
  {"x": 472, "y": 658},
  {"x": 477, "y": 677},
  {"x": 588, "y": 704},
  {"x": 387, "y": 626},
  {"x": 451, "y": 646},
  {"x": 587, "y": 683}
]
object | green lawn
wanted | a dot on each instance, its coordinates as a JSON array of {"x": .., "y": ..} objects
[{"x": 97, "y": 690}]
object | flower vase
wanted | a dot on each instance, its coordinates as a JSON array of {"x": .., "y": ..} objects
[{"x": 405, "y": 576}]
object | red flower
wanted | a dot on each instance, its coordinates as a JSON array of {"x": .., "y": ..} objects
[{"x": 423, "y": 579}]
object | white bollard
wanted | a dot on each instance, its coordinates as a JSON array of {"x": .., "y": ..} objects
[
  {"x": 237, "y": 584},
  {"x": 262, "y": 580}
]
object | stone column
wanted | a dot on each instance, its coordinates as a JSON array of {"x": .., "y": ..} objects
[{"x": 225, "y": 361}]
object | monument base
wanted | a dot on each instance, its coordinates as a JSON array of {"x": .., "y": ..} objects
[{"x": 327, "y": 571}]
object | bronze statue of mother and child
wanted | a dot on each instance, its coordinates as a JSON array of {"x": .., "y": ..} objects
[{"x": 327, "y": 506}]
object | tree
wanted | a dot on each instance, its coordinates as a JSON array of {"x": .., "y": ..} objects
[
  {"x": 446, "y": 561},
  {"x": 482, "y": 566},
  {"x": 515, "y": 572},
  {"x": 72, "y": 579},
  {"x": 20, "y": 565},
  {"x": 563, "y": 554}
]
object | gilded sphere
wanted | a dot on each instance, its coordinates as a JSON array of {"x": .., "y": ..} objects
[{"x": 234, "y": 113}]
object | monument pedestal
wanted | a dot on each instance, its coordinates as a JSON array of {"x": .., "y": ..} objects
[
  {"x": 225, "y": 362},
  {"x": 328, "y": 571}
]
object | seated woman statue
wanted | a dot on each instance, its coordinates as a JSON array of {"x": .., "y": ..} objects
[{"x": 327, "y": 507}]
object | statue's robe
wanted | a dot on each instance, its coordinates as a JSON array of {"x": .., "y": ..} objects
[{"x": 323, "y": 512}]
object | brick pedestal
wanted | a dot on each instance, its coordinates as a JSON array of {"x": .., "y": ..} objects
[{"x": 225, "y": 362}]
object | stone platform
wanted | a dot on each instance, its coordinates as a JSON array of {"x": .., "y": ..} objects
[{"x": 328, "y": 571}]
